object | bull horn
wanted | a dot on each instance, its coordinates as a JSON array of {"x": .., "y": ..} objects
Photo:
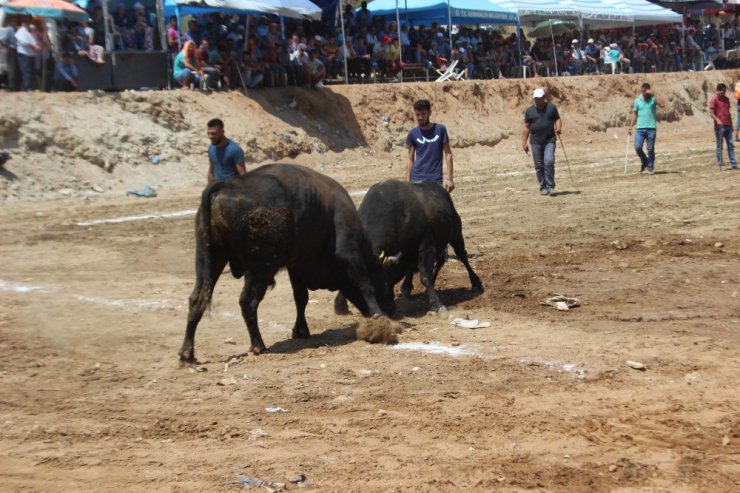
[{"x": 392, "y": 259}]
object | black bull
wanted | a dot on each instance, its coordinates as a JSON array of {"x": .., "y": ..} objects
[
  {"x": 279, "y": 216},
  {"x": 417, "y": 221}
]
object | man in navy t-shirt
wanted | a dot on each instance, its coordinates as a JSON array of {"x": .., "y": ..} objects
[
  {"x": 226, "y": 158},
  {"x": 426, "y": 144}
]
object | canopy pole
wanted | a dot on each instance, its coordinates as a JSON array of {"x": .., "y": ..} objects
[
  {"x": 344, "y": 42},
  {"x": 282, "y": 26},
  {"x": 179, "y": 34},
  {"x": 519, "y": 39},
  {"x": 400, "y": 46},
  {"x": 554, "y": 53},
  {"x": 449, "y": 24}
]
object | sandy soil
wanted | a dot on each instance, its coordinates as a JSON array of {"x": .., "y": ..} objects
[{"x": 93, "y": 307}]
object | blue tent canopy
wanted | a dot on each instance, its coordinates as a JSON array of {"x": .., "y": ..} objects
[{"x": 461, "y": 11}]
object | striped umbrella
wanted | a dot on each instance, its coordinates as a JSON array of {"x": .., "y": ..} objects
[{"x": 55, "y": 9}]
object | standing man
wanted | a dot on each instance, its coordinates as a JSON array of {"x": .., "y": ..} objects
[
  {"x": 226, "y": 158},
  {"x": 27, "y": 47},
  {"x": 719, "y": 109},
  {"x": 644, "y": 112},
  {"x": 8, "y": 44},
  {"x": 426, "y": 144},
  {"x": 542, "y": 124}
]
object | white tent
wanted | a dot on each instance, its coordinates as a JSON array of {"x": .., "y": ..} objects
[{"x": 593, "y": 13}]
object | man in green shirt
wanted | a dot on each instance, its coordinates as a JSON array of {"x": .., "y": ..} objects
[{"x": 643, "y": 119}]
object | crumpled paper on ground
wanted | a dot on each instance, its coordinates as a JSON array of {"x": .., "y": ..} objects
[
  {"x": 560, "y": 302},
  {"x": 469, "y": 324}
]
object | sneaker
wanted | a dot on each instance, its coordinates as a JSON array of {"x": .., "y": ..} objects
[
  {"x": 551, "y": 191},
  {"x": 651, "y": 172},
  {"x": 545, "y": 191},
  {"x": 319, "y": 85},
  {"x": 643, "y": 168}
]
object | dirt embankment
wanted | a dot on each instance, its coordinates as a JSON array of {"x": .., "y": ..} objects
[{"x": 73, "y": 144}]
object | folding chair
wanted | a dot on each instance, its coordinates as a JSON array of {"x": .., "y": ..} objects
[{"x": 448, "y": 73}]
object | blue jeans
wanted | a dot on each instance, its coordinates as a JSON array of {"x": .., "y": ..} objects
[
  {"x": 641, "y": 135},
  {"x": 544, "y": 164},
  {"x": 26, "y": 64},
  {"x": 725, "y": 132}
]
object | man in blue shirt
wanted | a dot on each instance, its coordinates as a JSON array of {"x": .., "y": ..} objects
[
  {"x": 65, "y": 74},
  {"x": 644, "y": 120},
  {"x": 426, "y": 144},
  {"x": 226, "y": 158}
]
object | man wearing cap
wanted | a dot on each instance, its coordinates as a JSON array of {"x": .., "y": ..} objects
[
  {"x": 644, "y": 120},
  {"x": 591, "y": 52},
  {"x": 577, "y": 56},
  {"x": 542, "y": 124},
  {"x": 426, "y": 145}
]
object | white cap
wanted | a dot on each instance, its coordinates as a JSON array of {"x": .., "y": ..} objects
[
  {"x": 590, "y": 40},
  {"x": 538, "y": 93},
  {"x": 462, "y": 50},
  {"x": 574, "y": 41}
]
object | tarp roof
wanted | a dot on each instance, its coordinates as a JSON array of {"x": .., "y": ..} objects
[
  {"x": 288, "y": 8},
  {"x": 462, "y": 11},
  {"x": 593, "y": 13}
]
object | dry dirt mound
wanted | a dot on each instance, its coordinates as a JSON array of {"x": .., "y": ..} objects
[{"x": 89, "y": 143}]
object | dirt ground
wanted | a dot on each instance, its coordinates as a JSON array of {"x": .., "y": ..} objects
[{"x": 94, "y": 291}]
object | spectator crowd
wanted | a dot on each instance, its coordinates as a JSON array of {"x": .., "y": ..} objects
[{"x": 222, "y": 51}]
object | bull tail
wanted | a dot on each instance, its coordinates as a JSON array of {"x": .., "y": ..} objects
[{"x": 211, "y": 261}]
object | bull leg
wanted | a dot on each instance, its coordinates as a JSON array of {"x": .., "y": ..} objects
[
  {"x": 252, "y": 294},
  {"x": 426, "y": 275},
  {"x": 408, "y": 283},
  {"x": 205, "y": 280},
  {"x": 340, "y": 305},
  {"x": 458, "y": 244},
  {"x": 300, "y": 295}
]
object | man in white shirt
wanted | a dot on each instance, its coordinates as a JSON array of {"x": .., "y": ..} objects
[{"x": 27, "y": 48}]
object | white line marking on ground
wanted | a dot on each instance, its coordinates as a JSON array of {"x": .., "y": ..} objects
[
  {"x": 143, "y": 217},
  {"x": 21, "y": 288}
]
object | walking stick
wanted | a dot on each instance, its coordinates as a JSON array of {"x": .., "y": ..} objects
[
  {"x": 626, "y": 153},
  {"x": 567, "y": 161}
]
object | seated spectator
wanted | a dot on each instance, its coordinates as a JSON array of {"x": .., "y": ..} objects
[
  {"x": 252, "y": 67},
  {"x": 381, "y": 55},
  {"x": 193, "y": 33},
  {"x": 82, "y": 41},
  {"x": 591, "y": 52},
  {"x": 122, "y": 26},
  {"x": 185, "y": 69},
  {"x": 330, "y": 56},
  {"x": 314, "y": 70},
  {"x": 213, "y": 78},
  {"x": 395, "y": 64},
  {"x": 275, "y": 73},
  {"x": 576, "y": 58},
  {"x": 65, "y": 74}
]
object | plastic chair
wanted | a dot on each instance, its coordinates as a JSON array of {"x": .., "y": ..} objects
[{"x": 448, "y": 73}]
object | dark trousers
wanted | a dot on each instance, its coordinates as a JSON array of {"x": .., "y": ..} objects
[
  {"x": 63, "y": 85},
  {"x": 26, "y": 65},
  {"x": 14, "y": 79}
]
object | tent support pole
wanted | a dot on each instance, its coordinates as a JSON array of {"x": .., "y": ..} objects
[
  {"x": 554, "y": 53},
  {"x": 344, "y": 42}
]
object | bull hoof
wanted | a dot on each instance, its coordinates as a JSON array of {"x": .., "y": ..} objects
[
  {"x": 187, "y": 358},
  {"x": 257, "y": 350},
  {"x": 301, "y": 334},
  {"x": 341, "y": 309}
]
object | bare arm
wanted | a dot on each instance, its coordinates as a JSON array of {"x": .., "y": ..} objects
[
  {"x": 449, "y": 183},
  {"x": 525, "y": 138},
  {"x": 241, "y": 168},
  {"x": 558, "y": 125},
  {"x": 634, "y": 121}
]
